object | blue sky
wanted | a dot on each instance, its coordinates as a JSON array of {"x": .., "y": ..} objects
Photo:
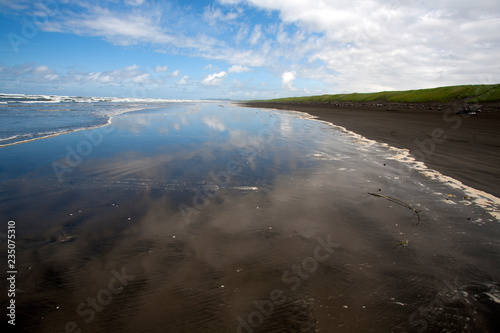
[{"x": 245, "y": 49}]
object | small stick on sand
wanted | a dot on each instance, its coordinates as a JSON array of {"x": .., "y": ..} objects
[
  {"x": 405, "y": 243},
  {"x": 399, "y": 202}
]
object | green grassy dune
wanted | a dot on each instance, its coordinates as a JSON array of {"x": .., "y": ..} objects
[{"x": 467, "y": 93}]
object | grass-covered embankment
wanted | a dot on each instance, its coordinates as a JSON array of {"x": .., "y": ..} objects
[{"x": 467, "y": 93}]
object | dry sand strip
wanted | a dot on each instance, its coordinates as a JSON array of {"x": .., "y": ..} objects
[{"x": 464, "y": 147}]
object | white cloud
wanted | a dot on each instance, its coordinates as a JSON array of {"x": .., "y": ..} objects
[
  {"x": 256, "y": 34},
  {"x": 117, "y": 27},
  {"x": 215, "y": 15},
  {"x": 229, "y": 2},
  {"x": 15, "y": 5},
  {"x": 238, "y": 69},
  {"x": 242, "y": 33},
  {"x": 161, "y": 69},
  {"x": 243, "y": 56},
  {"x": 287, "y": 79},
  {"x": 183, "y": 81},
  {"x": 42, "y": 70},
  {"x": 28, "y": 73},
  {"x": 215, "y": 79},
  {"x": 143, "y": 78},
  {"x": 175, "y": 73},
  {"x": 131, "y": 68},
  {"x": 135, "y": 2},
  {"x": 376, "y": 44}
]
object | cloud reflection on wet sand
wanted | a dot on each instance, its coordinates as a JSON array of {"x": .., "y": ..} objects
[{"x": 119, "y": 212}]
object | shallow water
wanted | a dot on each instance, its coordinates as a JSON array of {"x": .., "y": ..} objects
[
  {"x": 24, "y": 118},
  {"x": 201, "y": 217}
]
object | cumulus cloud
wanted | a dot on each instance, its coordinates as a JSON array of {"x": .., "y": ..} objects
[
  {"x": 28, "y": 73},
  {"x": 143, "y": 78},
  {"x": 130, "y": 74},
  {"x": 287, "y": 80},
  {"x": 43, "y": 70},
  {"x": 161, "y": 69},
  {"x": 238, "y": 69},
  {"x": 183, "y": 81},
  {"x": 175, "y": 73},
  {"x": 215, "y": 79},
  {"x": 379, "y": 44}
]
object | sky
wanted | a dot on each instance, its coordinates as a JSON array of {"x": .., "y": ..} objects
[{"x": 245, "y": 49}]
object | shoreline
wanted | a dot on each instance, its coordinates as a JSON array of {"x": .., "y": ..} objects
[{"x": 464, "y": 147}]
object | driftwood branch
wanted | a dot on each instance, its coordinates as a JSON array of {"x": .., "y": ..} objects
[{"x": 399, "y": 202}]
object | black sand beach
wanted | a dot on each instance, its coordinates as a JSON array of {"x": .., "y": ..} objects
[
  {"x": 199, "y": 217},
  {"x": 464, "y": 147}
]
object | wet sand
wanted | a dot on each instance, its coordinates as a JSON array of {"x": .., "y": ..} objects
[
  {"x": 466, "y": 148},
  {"x": 198, "y": 218}
]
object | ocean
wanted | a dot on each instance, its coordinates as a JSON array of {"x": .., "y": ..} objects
[
  {"x": 24, "y": 118},
  {"x": 205, "y": 216}
]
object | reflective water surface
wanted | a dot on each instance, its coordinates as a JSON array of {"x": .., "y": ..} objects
[{"x": 207, "y": 217}]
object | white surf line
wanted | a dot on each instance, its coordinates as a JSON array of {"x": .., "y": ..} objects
[
  {"x": 483, "y": 199},
  {"x": 51, "y": 135},
  {"x": 487, "y": 201}
]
